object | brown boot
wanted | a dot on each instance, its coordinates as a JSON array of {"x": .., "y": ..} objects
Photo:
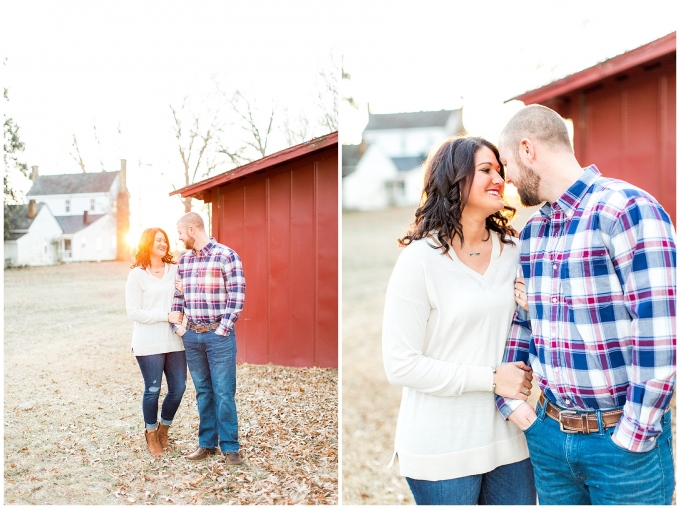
[
  {"x": 155, "y": 448},
  {"x": 163, "y": 437}
]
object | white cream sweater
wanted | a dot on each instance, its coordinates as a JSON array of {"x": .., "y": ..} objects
[
  {"x": 148, "y": 301},
  {"x": 444, "y": 329}
]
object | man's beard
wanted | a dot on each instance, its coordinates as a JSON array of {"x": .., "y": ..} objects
[
  {"x": 527, "y": 185},
  {"x": 189, "y": 243}
]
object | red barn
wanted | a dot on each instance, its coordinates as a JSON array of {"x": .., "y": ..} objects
[
  {"x": 623, "y": 112},
  {"x": 280, "y": 214}
]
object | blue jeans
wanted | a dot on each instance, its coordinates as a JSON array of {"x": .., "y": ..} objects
[
  {"x": 511, "y": 484},
  {"x": 174, "y": 365},
  {"x": 212, "y": 364},
  {"x": 578, "y": 469}
]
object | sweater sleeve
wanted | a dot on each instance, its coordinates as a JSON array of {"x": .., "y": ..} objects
[
  {"x": 133, "y": 302},
  {"x": 407, "y": 310}
]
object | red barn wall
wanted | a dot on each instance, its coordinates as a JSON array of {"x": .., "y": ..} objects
[
  {"x": 283, "y": 223},
  {"x": 625, "y": 125}
]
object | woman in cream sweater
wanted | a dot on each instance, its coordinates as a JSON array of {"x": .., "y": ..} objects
[
  {"x": 148, "y": 297},
  {"x": 448, "y": 309}
]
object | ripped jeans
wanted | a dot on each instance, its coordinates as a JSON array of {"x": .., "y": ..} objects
[{"x": 174, "y": 365}]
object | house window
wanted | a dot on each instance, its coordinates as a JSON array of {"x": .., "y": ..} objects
[
  {"x": 45, "y": 246},
  {"x": 92, "y": 205},
  {"x": 82, "y": 242},
  {"x": 68, "y": 205},
  {"x": 67, "y": 248},
  {"x": 99, "y": 243}
]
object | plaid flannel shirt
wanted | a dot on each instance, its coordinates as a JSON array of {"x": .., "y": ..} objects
[
  {"x": 214, "y": 287},
  {"x": 599, "y": 269}
]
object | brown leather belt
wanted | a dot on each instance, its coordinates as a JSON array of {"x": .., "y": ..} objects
[
  {"x": 204, "y": 328},
  {"x": 572, "y": 421}
]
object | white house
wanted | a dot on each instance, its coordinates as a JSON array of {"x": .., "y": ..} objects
[
  {"x": 34, "y": 235},
  {"x": 386, "y": 169},
  {"x": 84, "y": 209}
]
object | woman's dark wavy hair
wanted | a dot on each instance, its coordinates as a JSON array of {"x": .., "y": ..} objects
[
  {"x": 142, "y": 253},
  {"x": 449, "y": 172}
]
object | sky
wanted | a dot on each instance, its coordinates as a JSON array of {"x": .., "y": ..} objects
[
  {"x": 71, "y": 66},
  {"x": 431, "y": 55}
]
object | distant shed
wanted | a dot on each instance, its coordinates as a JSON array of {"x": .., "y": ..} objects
[
  {"x": 623, "y": 112},
  {"x": 280, "y": 214}
]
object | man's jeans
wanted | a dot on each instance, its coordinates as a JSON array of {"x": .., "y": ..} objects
[
  {"x": 511, "y": 484},
  {"x": 174, "y": 365},
  {"x": 578, "y": 469},
  {"x": 212, "y": 363}
]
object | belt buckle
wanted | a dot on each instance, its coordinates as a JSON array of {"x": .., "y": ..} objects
[{"x": 559, "y": 417}]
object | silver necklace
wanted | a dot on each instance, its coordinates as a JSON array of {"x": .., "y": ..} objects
[{"x": 479, "y": 253}]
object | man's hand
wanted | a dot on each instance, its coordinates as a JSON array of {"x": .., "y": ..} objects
[
  {"x": 513, "y": 380},
  {"x": 523, "y": 417},
  {"x": 180, "y": 330}
]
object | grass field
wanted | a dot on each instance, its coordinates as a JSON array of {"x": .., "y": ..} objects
[{"x": 73, "y": 429}]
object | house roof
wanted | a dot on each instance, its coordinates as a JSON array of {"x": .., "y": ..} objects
[
  {"x": 351, "y": 155},
  {"x": 408, "y": 163},
  {"x": 72, "y": 183},
  {"x": 639, "y": 60},
  {"x": 73, "y": 224},
  {"x": 261, "y": 165},
  {"x": 18, "y": 219},
  {"x": 410, "y": 119}
]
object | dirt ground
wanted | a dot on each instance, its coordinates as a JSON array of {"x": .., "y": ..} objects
[
  {"x": 370, "y": 405},
  {"x": 73, "y": 431}
]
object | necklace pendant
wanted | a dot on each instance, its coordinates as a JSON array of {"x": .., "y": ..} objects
[{"x": 475, "y": 254}]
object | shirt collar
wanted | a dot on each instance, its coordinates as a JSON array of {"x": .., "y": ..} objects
[
  {"x": 570, "y": 200},
  {"x": 206, "y": 249}
]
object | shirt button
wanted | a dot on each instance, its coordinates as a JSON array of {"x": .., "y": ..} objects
[
  {"x": 554, "y": 299},
  {"x": 652, "y": 439},
  {"x": 555, "y": 266},
  {"x": 567, "y": 402}
]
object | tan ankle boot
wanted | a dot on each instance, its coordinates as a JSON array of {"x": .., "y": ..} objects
[
  {"x": 152, "y": 442},
  {"x": 163, "y": 436}
]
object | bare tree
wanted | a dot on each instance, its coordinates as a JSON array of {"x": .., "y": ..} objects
[
  {"x": 197, "y": 142},
  {"x": 246, "y": 111},
  {"x": 327, "y": 98},
  {"x": 295, "y": 130},
  {"x": 79, "y": 159},
  {"x": 99, "y": 145}
]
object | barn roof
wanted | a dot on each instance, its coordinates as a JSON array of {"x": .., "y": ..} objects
[
  {"x": 261, "y": 165},
  {"x": 644, "y": 58},
  {"x": 72, "y": 183},
  {"x": 17, "y": 216},
  {"x": 410, "y": 119},
  {"x": 73, "y": 224}
]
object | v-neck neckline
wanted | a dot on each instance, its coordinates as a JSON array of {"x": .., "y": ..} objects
[
  {"x": 493, "y": 259},
  {"x": 165, "y": 271}
]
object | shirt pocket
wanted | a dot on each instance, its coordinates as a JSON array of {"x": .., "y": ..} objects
[{"x": 587, "y": 287}]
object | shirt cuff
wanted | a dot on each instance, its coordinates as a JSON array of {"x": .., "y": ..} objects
[
  {"x": 506, "y": 406},
  {"x": 161, "y": 316},
  {"x": 224, "y": 328},
  {"x": 633, "y": 437}
]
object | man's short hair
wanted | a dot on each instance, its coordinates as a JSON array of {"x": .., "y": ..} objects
[
  {"x": 191, "y": 219},
  {"x": 537, "y": 122}
]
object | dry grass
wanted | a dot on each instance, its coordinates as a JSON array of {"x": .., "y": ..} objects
[
  {"x": 370, "y": 405},
  {"x": 72, "y": 409}
]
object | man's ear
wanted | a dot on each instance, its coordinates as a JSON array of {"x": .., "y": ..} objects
[{"x": 527, "y": 151}]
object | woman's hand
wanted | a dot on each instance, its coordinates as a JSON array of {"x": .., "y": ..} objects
[
  {"x": 521, "y": 294},
  {"x": 513, "y": 380},
  {"x": 178, "y": 286},
  {"x": 175, "y": 317},
  {"x": 180, "y": 330}
]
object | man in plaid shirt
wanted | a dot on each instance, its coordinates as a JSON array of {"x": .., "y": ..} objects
[
  {"x": 213, "y": 295},
  {"x": 598, "y": 261}
]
